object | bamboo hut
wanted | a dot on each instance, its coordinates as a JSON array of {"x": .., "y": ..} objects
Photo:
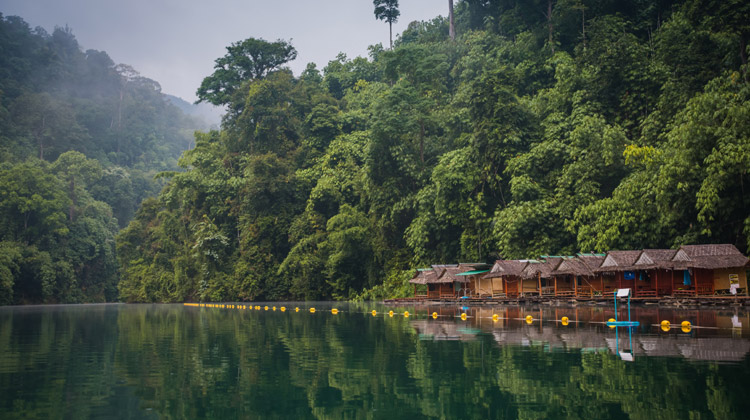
[
  {"x": 617, "y": 271},
  {"x": 494, "y": 283},
  {"x": 710, "y": 269},
  {"x": 422, "y": 277},
  {"x": 654, "y": 268},
  {"x": 574, "y": 275},
  {"x": 437, "y": 288},
  {"x": 594, "y": 261},
  {"x": 537, "y": 277},
  {"x": 474, "y": 280},
  {"x": 460, "y": 284}
]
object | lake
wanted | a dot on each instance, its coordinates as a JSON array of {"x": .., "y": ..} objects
[{"x": 176, "y": 361}]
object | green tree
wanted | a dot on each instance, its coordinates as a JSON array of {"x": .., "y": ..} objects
[
  {"x": 245, "y": 60},
  {"x": 387, "y": 10},
  {"x": 78, "y": 172}
]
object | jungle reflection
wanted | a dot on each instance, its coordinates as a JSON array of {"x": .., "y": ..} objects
[{"x": 172, "y": 361}]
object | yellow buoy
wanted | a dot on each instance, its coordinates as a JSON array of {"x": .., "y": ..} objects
[
  {"x": 265, "y": 308},
  {"x": 334, "y": 311},
  {"x": 257, "y": 308},
  {"x": 463, "y": 316},
  {"x": 406, "y": 314},
  {"x": 296, "y": 309},
  {"x": 274, "y": 308},
  {"x": 686, "y": 328},
  {"x": 390, "y": 314},
  {"x": 374, "y": 312},
  {"x": 565, "y": 321},
  {"x": 665, "y": 327},
  {"x": 685, "y": 324},
  {"x": 434, "y": 315},
  {"x": 312, "y": 310},
  {"x": 529, "y": 319},
  {"x": 283, "y": 308},
  {"x": 495, "y": 317}
]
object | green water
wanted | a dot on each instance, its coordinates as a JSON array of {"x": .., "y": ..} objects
[{"x": 173, "y": 361}]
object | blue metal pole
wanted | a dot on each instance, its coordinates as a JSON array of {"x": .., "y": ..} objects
[
  {"x": 615, "y": 305},
  {"x": 628, "y": 307}
]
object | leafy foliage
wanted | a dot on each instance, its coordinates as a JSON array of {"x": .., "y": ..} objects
[
  {"x": 80, "y": 142},
  {"x": 245, "y": 60},
  {"x": 546, "y": 127}
]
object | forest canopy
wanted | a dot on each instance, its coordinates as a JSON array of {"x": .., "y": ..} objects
[
  {"x": 544, "y": 127},
  {"x": 81, "y": 140}
]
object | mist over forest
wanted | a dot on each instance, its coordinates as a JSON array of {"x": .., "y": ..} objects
[
  {"x": 529, "y": 128},
  {"x": 82, "y": 142}
]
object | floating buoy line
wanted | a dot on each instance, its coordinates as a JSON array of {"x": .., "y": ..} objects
[{"x": 665, "y": 325}]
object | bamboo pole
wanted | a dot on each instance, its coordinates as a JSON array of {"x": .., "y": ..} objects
[
  {"x": 539, "y": 277},
  {"x": 555, "y": 278}
]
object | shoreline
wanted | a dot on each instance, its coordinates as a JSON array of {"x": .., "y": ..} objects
[{"x": 662, "y": 302}]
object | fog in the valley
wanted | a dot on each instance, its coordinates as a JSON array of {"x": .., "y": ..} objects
[{"x": 175, "y": 42}]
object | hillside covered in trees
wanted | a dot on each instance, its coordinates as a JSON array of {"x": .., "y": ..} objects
[
  {"x": 545, "y": 127},
  {"x": 541, "y": 127},
  {"x": 81, "y": 140}
]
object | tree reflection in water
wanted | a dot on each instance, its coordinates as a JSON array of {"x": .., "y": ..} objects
[{"x": 171, "y": 361}]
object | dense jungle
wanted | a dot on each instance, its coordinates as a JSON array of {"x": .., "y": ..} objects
[{"x": 525, "y": 128}]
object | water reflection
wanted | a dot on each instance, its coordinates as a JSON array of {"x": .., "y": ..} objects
[
  {"x": 720, "y": 336},
  {"x": 170, "y": 361}
]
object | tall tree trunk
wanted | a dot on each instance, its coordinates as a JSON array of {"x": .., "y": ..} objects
[
  {"x": 743, "y": 55},
  {"x": 549, "y": 25},
  {"x": 41, "y": 138},
  {"x": 119, "y": 124},
  {"x": 451, "y": 27},
  {"x": 72, "y": 198},
  {"x": 390, "y": 32},
  {"x": 421, "y": 142},
  {"x": 583, "y": 26}
]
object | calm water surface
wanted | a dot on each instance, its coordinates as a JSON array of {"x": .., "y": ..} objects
[{"x": 174, "y": 361}]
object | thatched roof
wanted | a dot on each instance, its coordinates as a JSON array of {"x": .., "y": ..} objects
[
  {"x": 619, "y": 261},
  {"x": 506, "y": 268},
  {"x": 424, "y": 276},
  {"x": 711, "y": 257},
  {"x": 575, "y": 266},
  {"x": 449, "y": 274},
  {"x": 592, "y": 261},
  {"x": 543, "y": 268},
  {"x": 654, "y": 258}
]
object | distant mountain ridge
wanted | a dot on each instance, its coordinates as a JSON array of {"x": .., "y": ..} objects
[{"x": 209, "y": 114}]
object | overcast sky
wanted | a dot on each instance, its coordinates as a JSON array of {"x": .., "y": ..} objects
[{"x": 175, "y": 42}]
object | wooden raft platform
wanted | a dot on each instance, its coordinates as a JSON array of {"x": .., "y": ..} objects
[{"x": 666, "y": 300}]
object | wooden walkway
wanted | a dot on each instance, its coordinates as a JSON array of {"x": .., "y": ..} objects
[{"x": 666, "y": 300}]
